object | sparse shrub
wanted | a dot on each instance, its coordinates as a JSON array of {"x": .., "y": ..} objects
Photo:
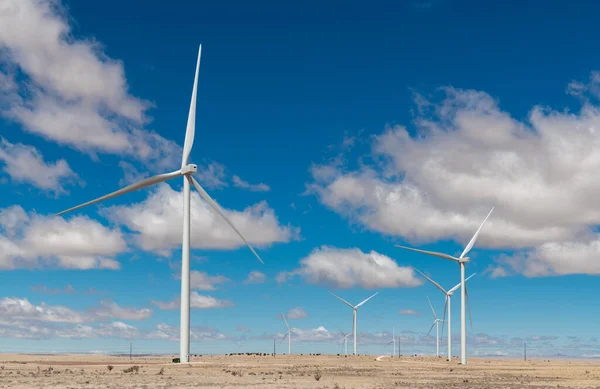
[
  {"x": 162, "y": 371},
  {"x": 318, "y": 375},
  {"x": 176, "y": 360},
  {"x": 336, "y": 386},
  {"x": 133, "y": 369},
  {"x": 110, "y": 367}
]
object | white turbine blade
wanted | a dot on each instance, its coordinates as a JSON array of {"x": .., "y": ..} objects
[
  {"x": 286, "y": 323},
  {"x": 432, "y": 310},
  {"x": 342, "y": 300},
  {"x": 458, "y": 285},
  {"x": 343, "y": 334},
  {"x": 191, "y": 123},
  {"x": 474, "y": 238},
  {"x": 138, "y": 185},
  {"x": 218, "y": 209},
  {"x": 434, "y": 253},
  {"x": 284, "y": 336},
  {"x": 430, "y": 329},
  {"x": 430, "y": 280},
  {"x": 366, "y": 300}
]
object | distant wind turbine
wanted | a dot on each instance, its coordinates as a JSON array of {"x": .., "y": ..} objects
[
  {"x": 462, "y": 260},
  {"x": 288, "y": 334},
  {"x": 354, "y": 308},
  {"x": 186, "y": 170},
  {"x": 436, "y": 323},
  {"x": 345, "y": 341},
  {"x": 447, "y": 307},
  {"x": 393, "y": 341}
]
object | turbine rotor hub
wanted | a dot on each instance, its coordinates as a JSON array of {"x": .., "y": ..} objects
[
  {"x": 189, "y": 169},
  {"x": 464, "y": 260}
]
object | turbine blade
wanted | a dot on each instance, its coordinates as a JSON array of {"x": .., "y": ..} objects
[
  {"x": 342, "y": 300},
  {"x": 130, "y": 188},
  {"x": 458, "y": 285},
  {"x": 434, "y": 253},
  {"x": 430, "y": 329},
  {"x": 432, "y": 310},
  {"x": 474, "y": 238},
  {"x": 430, "y": 280},
  {"x": 218, "y": 209},
  {"x": 445, "y": 309},
  {"x": 284, "y": 336},
  {"x": 286, "y": 323},
  {"x": 343, "y": 334},
  {"x": 191, "y": 123},
  {"x": 366, "y": 300}
]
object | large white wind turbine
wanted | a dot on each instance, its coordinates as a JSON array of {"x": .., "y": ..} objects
[
  {"x": 447, "y": 307},
  {"x": 345, "y": 342},
  {"x": 462, "y": 260},
  {"x": 354, "y": 309},
  {"x": 186, "y": 170},
  {"x": 288, "y": 334},
  {"x": 436, "y": 323}
]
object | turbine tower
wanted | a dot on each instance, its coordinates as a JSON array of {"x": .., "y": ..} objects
[
  {"x": 289, "y": 332},
  {"x": 186, "y": 171},
  {"x": 436, "y": 323},
  {"x": 345, "y": 341},
  {"x": 462, "y": 260},
  {"x": 354, "y": 309},
  {"x": 447, "y": 307},
  {"x": 393, "y": 341}
]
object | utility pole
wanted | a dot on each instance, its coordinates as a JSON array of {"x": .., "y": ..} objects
[
  {"x": 525, "y": 350},
  {"x": 130, "y": 349},
  {"x": 399, "y": 346},
  {"x": 273, "y": 347}
]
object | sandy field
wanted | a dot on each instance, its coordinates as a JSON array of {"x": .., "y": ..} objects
[{"x": 327, "y": 371}]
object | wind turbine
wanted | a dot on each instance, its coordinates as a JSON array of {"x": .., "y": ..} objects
[
  {"x": 355, "y": 308},
  {"x": 289, "y": 332},
  {"x": 436, "y": 323},
  {"x": 462, "y": 260},
  {"x": 186, "y": 170},
  {"x": 447, "y": 307},
  {"x": 393, "y": 341},
  {"x": 345, "y": 342}
]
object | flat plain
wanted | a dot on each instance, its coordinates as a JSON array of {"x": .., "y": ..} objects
[{"x": 323, "y": 371}]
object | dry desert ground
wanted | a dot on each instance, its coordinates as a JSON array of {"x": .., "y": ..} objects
[{"x": 92, "y": 371}]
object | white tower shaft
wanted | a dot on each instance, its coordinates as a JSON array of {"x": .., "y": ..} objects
[
  {"x": 463, "y": 317},
  {"x": 184, "y": 327},
  {"x": 449, "y": 329},
  {"x": 354, "y": 328}
]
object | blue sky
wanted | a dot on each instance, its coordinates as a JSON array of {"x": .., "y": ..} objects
[{"x": 329, "y": 133}]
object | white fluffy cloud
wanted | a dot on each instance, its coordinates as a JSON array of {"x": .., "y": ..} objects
[
  {"x": 197, "y": 334},
  {"x": 157, "y": 222},
  {"x": 260, "y": 187},
  {"x": 348, "y": 268},
  {"x": 196, "y": 301},
  {"x": 255, "y": 277},
  {"x": 296, "y": 313},
  {"x": 202, "y": 281},
  {"x": 73, "y": 94},
  {"x": 26, "y": 164},
  {"x": 111, "y": 310},
  {"x": 468, "y": 155},
  {"x": 409, "y": 312},
  {"x": 31, "y": 241}
]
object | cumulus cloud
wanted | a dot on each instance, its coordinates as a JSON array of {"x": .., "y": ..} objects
[
  {"x": 260, "y": 187},
  {"x": 409, "y": 312},
  {"x": 255, "y": 277},
  {"x": 196, "y": 301},
  {"x": 348, "y": 268},
  {"x": 111, "y": 310},
  {"x": 296, "y": 313},
  {"x": 33, "y": 241},
  {"x": 72, "y": 92},
  {"x": 242, "y": 329},
  {"x": 467, "y": 155},
  {"x": 197, "y": 334},
  {"x": 202, "y": 281},
  {"x": 157, "y": 223},
  {"x": 211, "y": 175},
  {"x": 26, "y": 164}
]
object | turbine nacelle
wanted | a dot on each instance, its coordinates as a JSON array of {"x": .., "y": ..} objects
[
  {"x": 463, "y": 260},
  {"x": 189, "y": 169}
]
